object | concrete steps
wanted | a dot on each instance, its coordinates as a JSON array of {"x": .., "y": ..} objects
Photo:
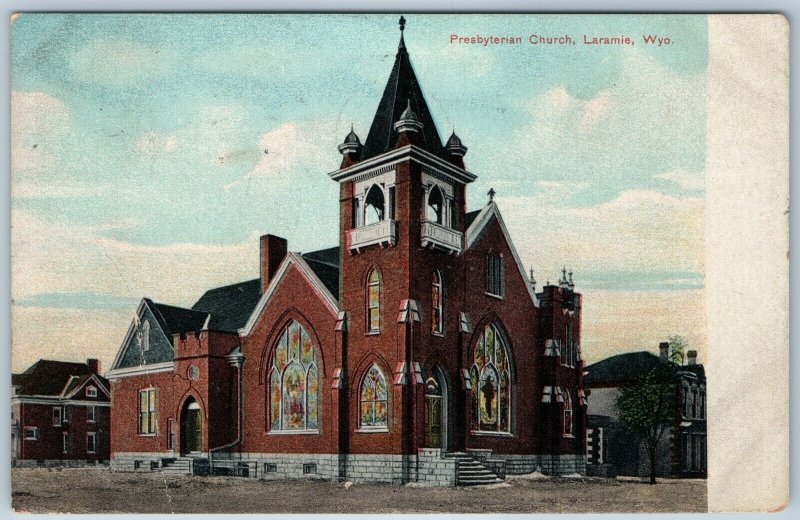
[
  {"x": 472, "y": 472},
  {"x": 177, "y": 466}
]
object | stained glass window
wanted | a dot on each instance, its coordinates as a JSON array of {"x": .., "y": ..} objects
[
  {"x": 436, "y": 303},
  {"x": 567, "y": 413},
  {"x": 374, "y": 301},
  {"x": 491, "y": 383},
  {"x": 374, "y": 399},
  {"x": 294, "y": 381}
]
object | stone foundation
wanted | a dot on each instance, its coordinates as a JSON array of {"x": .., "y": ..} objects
[
  {"x": 547, "y": 464},
  {"x": 60, "y": 463}
]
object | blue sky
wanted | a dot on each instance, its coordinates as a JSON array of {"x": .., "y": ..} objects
[{"x": 139, "y": 164}]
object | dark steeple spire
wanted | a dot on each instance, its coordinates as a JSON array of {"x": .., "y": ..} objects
[{"x": 402, "y": 91}]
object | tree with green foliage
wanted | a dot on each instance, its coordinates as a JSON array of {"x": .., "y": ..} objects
[
  {"x": 647, "y": 407},
  {"x": 677, "y": 348}
]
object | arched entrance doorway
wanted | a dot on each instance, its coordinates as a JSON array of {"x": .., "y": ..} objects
[
  {"x": 436, "y": 410},
  {"x": 191, "y": 428}
]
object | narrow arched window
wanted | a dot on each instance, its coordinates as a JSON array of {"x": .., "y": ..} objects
[
  {"x": 374, "y": 400},
  {"x": 294, "y": 381},
  {"x": 374, "y": 282},
  {"x": 567, "y": 425},
  {"x": 146, "y": 336},
  {"x": 436, "y": 205},
  {"x": 494, "y": 274},
  {"x": 374, "y": 205},
  {"x": 437, "y": 303},
  {"x": 491, "y": 383}
]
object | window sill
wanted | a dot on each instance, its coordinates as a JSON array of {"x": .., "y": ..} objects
[
  {"x": 437, "y": 334},
  {"x": 90, "y": 452},
  {"x": 373, "y": 333},
  {"x": 480, "y": 433},
  {"x": 372, "y": 430},
  {"x": 567, "y": 435},
  {"x": 293, "y": 432},
  {"x": 493, "y": 295},
  {"x": 148, "y": 434}
]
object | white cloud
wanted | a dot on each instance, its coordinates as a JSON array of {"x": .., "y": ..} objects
[
  {"x": 51, "y": 256},
  {"x": 682, "y": 178},
  {"x": 641, "y": 230},
  {"x": 121, "y": 63},
  {"x": 649, "y": 121},
  {"x": 48, "y": 190},
  {"x": 36, "y": 121}
]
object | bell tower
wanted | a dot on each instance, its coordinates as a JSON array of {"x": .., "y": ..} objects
[{"x": 402, "y": 218}]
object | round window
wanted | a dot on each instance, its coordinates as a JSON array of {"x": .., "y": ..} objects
[{"x": 194, "y": 373}]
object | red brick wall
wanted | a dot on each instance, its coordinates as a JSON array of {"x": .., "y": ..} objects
[
  {"x": 49, "y": 445},
  {"x": 295, "y": 299}
]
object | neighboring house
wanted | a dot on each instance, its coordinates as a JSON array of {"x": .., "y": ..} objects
[
  {"x": 60, "y": 415},
  {"x": 415, "y": 346},
  {"x": 682, "y": 450}
]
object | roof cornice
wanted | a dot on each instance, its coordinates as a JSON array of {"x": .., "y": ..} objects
[{"x": 398, "y": 155}]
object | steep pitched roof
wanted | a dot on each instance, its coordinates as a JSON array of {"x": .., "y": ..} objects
[
  {"x": 325, "y": 264},
  {"x": 401, "y": 90},
  {"x": 47, "y": 377},
  {"x": 623, "y": 368},
  {"x": 470, "y": 218},
  {"x": 174, "y": 320},
  {"x": 230, "y": 306}
]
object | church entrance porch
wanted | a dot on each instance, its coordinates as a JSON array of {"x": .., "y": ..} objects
[{"x": 191, "y": 429}]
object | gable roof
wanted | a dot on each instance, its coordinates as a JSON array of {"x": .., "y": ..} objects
[
  {"x": 175, "y": 320},
  {"x": 623, "y": 368},
  {"x": 402, "y": 90},
  {"x": 47, "y": 377},
  {"x": 325, "y": 264},
  {"x": 230, "y": 306},
  {"x": 477, "y": 222}
]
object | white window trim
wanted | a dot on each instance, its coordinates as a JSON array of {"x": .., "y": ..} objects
[
  {"x": 91, "y": 391},
  {"x": 60, "y": 411},
  {"x": 32, "y": 429},
  {"x": 293, "y": 432},
  {"x": 93, "y": 419},
  {"x": 65, "y": 441},
  {"x": 373, "y": 429},
  {"x": 139, "y": 411},
  {"x": 93, "y": 436}
]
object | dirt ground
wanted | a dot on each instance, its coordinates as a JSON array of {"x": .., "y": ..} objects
[{"x": 100, "y": 491}]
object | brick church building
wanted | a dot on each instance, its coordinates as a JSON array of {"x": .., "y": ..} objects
[{"x": 415, "y": 350}]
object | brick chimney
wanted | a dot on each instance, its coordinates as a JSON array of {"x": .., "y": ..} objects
[
  {"x": 692, "y": 356},
  {"x": 94, "y": 365},
  {"x": 663, "y": 350},
  {"x": 273, "y": 251}
]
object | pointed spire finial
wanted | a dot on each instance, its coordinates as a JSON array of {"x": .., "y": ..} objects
[
  {"x": 491, "y": 193},
  {"x": 402, "y": 23}
]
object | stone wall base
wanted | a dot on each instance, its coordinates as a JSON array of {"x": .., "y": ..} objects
[
  {"x": 547, "y": 464},
  {"x": 26, "y": 463}
]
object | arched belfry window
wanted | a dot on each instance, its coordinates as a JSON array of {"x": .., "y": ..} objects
[
  {"x": 294, "y": 381},
  {"x": 435, "y": 205},
  {"x": 374, "y": 287},
  {"x": 568, "y": 418},
  {"x": 374, "y": 205},
  {"x": 491, "y": 383},
  {"x": 374, "y": 400},
  {"x": 437, "y": 303}
]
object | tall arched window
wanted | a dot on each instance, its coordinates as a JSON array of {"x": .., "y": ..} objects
[
  {"x": 437, "y": 303},
  {"x": 491, "y": 383},
  {"x": 374, "y": 205},
  {"x": 374, "y": 283},
  {"x": 567, "y": 425},
  {"x": 294, "y": 381},
  {"x": 435, "y": 205},
  {"x": 374, "y": 400}
]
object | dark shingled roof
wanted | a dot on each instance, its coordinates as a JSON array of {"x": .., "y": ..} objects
[
  {"x": 175, "y": 320},
  {"x": 623, "y": 368},
  {"x": 230, "y": 306},
  {"x": 402, "y": 88},
  {"x": 470, "y": 218},
  {"x": 46, "y": 377}
]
